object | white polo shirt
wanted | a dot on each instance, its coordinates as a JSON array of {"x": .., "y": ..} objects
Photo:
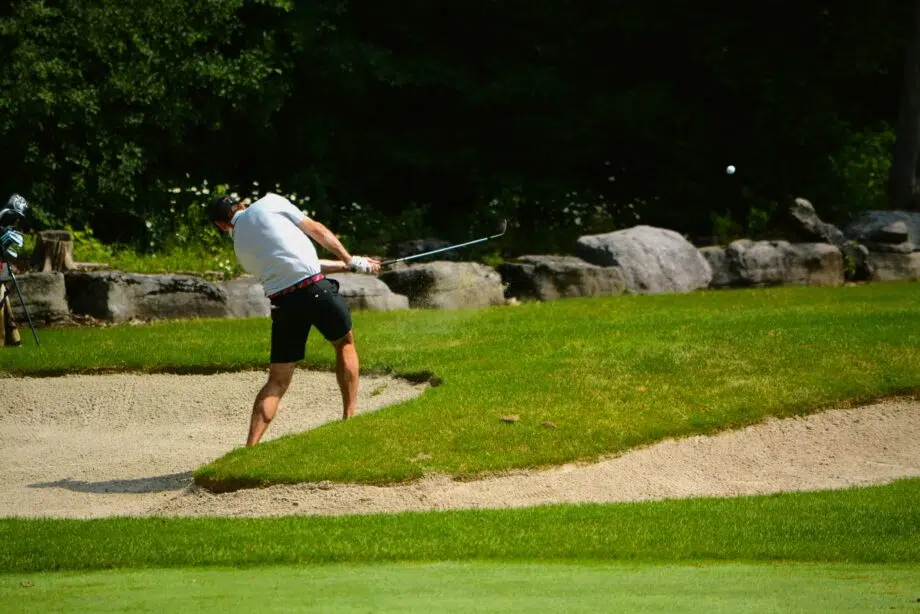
[{"x": 270, "y": 246}]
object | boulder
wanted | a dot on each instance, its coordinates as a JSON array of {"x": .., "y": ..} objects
[
  {"x": 774, "y": 263},
  {"x": 120, "y": 297},
  {"x": 245, "y": 298},
  {"x": 722, "y": 275},
  {"x": 547, "y": 278},
  {"x": 893, "y": 267},
  {"x": 446, "y": 285},
  {"x": 45, "y": 296},
  {"x": 368, "y": 292},
  {"x": 887, "y": 231},
  {"x": 652, "y": 260},
  {"x": 799, "y": 223}
]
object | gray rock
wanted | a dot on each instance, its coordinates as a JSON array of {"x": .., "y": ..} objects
[
  {"x": 245, "y": 298},
  {"x": 120, "y": 297},
  {"x": 802, "y": 224},
  {"x": 887, "y": 231},
  {"x": 895, "y": 232},
  {"x": 45, "y": 296},
  {"x": 368, "y": 292},
  {"x": 446, "y": 285},
  {"x": 717, "y": 257},
  {"x": 894, "y": 267},
  {"x": 653, "y": 260},
  {"x": 774, "y": 263},
  {"x": 547, "y": 278}
]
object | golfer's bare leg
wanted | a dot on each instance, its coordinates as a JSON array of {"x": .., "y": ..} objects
[
  {"x": 266, "y": 405},
  {"x": 346, "y": 372}
]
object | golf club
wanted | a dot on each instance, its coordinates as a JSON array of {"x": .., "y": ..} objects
[
  {"x": 448, "y": 248},
  {"x": 17, "y": 205}
]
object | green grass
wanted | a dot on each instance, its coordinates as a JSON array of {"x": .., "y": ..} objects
[
  {"x": 612, "y": 373},
  {"x": 474, "y": 587},
  {"x": 865, "y": 525}
]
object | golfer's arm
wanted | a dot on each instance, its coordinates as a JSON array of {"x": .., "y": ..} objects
[
  {"x": 322, "y": 235},
  {"x": 333, "y": 266}
]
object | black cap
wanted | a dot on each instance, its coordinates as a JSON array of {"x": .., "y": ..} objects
[{"x": 220, "y": 209}]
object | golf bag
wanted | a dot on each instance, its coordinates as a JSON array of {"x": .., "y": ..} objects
[
  {"x": 9, "y": 332},
  {"x": 10, "y": 241}
]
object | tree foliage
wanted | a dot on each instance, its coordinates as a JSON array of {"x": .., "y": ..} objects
[{"x": 563, "y": 116}]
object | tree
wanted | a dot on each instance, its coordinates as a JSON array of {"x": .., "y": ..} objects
[
  {"x": 106, "y": 101},
  {"x": 904, "y": 190}
]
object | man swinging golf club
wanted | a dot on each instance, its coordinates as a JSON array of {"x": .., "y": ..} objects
[{"x": 272, "y": 241}]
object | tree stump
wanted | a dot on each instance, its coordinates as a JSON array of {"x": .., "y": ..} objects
[{"x": 53, "y": 252}]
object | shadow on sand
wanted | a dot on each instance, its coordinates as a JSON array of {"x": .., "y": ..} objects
[{"x": 160, "y": 483}]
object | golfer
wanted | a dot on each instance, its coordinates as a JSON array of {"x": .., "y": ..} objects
[{"x": 271, "y": 238}]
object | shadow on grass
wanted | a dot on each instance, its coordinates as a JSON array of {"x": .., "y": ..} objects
[{"x": 161, "y": 483}]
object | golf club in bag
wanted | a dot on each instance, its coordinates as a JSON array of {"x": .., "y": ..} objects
[
  {"x": 10, "y": 241},
  {"x": 449, "y": 247}
]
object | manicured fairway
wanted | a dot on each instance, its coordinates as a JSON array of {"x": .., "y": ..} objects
[{"x": 474, "y": 587}]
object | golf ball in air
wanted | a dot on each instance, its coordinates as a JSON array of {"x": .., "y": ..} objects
[{"x": 730, "y": 170}]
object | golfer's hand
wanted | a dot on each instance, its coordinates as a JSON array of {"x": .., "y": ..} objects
[
  {"x": 374, "y": 264},
  {"x": 360, "y": 264}
]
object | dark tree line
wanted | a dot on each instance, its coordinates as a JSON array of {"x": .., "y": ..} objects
[{"x": 447, "y": 116}]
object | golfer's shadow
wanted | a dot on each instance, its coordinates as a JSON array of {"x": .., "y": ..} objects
[{"x": 155, "y": 484}]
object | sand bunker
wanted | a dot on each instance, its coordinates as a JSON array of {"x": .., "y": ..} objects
[{"x": 125, "y": 445}]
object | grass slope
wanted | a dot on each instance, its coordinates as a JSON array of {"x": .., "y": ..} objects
[{"x": 474, "y": 587}]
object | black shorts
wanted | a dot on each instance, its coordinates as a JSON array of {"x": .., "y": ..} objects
[{"x": 293, "y": 314}]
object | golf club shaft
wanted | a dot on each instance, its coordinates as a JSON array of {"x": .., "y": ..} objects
[
  {"x": 445, "y": 249},
  {"x": 23, "y": 303}
]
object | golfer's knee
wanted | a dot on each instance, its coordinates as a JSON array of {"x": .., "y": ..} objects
[
  {"x": 279, "y": 378},
  {"x": 344, "y": 342}
]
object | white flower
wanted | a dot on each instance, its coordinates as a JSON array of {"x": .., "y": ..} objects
[
  {"x": 306, "y": 198},
  {"x": 205, "y": 182},
  {"x": 205, "y": 191},
  {"x": 149, "y": 224},
  {"x": 176, "y": 190},
  {"x": 255, "y": 183}
]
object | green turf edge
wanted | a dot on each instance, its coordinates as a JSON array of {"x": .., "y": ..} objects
[{"x": 879, "y": 524}]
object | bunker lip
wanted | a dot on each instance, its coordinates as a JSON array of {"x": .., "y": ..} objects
[{"x": 89, "y": 446}]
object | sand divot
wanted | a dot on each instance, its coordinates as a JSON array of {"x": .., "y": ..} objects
[{"x": 125, "y": 445}]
